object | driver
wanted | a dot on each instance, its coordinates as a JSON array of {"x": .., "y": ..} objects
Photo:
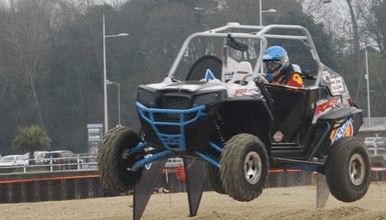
[{"x": 279, "y": 71}]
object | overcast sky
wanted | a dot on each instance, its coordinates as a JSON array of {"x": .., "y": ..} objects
[{"x": 6, "y": 2}]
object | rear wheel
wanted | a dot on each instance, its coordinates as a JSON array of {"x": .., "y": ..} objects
[
  {"x": 244, "y": 166},
  {"x": 348, "y": 170},
  {"x": 114, "y": 160}
]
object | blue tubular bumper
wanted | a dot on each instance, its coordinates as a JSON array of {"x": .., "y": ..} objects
[{"x": 182, "y": 118}]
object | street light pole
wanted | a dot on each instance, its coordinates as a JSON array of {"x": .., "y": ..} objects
[
  {"x": 261, "y": 24},
  {"x": 119, "y": 104},
  {"x": 368, "y": 84},
  {"x": 106, "y": 122},
  {"x": 260, "y": 13},
  {"x": 105, "y": 78}
]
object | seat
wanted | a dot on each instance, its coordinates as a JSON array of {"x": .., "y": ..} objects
[{"x": 238, "y": 71}]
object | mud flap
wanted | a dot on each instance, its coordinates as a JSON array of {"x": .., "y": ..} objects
[
  {"x": 322, "y": 190},
  {"x": 145, "y": 187},
  {"x": 194, "y": 174}
]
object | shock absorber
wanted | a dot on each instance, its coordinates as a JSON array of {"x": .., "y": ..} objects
[{"x": 218, "y": 122}]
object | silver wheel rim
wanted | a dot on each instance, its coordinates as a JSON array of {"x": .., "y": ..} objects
[
  {"x": 253, "y": 167},
  {"x": 357, "y": 169}
]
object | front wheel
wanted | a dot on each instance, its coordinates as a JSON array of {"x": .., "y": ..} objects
[
  {"x": 114, "y": 159},
  {"x": 348, "y": 170},
  {"x": 244, "y": 166}
]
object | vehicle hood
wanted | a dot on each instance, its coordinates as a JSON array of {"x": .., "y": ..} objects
[{"x": 190, "y": 86}]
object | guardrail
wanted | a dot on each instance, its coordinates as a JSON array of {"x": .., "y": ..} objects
[
  {"x": 376, "y": 123},
  {"x": 80, "y": 162},
  {"x": 375, "y": 150}
]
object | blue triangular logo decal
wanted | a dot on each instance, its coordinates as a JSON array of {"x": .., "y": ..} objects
[{"x": 209, "y": 76}]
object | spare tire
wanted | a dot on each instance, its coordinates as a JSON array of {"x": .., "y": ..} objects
[{"x": 199, "y": 68}]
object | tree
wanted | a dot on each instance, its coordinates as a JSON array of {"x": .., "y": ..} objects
[
  {"x": 376, "y": 26},
  {"x": 51, "y": 57},
  {"x": 29, "y": 36},
  {"x": 31, "y": 139}
]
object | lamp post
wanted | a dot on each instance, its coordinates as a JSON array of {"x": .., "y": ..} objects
[
  {"x": 261, "y": 23},
  {"x": 108, "y": 82},
  {"x": 368, "y": 84},
  {"x": 104, "y": 72},
  {"x": 265, "y": 11}
]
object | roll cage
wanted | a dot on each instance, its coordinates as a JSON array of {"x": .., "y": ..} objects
[{"x": 262, "y": 33}]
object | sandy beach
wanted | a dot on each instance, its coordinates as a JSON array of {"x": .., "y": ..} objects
[{"x": 291, "y": 203}]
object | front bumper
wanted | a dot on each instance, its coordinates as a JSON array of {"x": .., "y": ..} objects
[{"x": 172, "y": 128}]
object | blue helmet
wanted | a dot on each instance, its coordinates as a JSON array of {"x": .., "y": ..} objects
[{"x": 275, "y": 58}]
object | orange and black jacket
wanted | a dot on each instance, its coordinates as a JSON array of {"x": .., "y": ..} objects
[{"x": 289, "y": 77}]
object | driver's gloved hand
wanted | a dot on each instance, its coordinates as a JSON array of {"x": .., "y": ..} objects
[{"x": 259, "y": 79}]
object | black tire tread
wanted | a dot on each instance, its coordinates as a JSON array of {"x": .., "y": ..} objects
[
  {"x": 111, "y": 166},
  {"x": 337, "y": 178},
  {"x": 230, "y": 173}
]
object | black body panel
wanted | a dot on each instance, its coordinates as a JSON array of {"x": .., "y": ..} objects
[{"x": 293, "y": 111}]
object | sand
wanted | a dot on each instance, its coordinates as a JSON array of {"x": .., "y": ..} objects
[{"x": 292, "y": 203}]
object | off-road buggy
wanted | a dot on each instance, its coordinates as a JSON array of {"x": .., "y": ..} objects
[{"x": 215, "y": 106}]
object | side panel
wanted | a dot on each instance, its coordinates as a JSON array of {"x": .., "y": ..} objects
[
  {"x": 293, "y": 112},
  {"x": 246, "y": 116}
]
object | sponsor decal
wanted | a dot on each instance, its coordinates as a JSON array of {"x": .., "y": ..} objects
[
  {"x": 336, "y": 85},
  {"x": 326, "y": 75},
  {"x": 237, "y": 90},
  {"x": 278, "y": 136},
  {"x": 324, "y": 106},
  {"x": 346, "y": 130},
  {"x": 296, "y": 81},
  {"x": 241, "y": 91}
]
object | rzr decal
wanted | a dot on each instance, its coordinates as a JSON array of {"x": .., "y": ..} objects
[
  {"x": 209, "y": 76},
  {"x": 324, "y": 106},
  {"x": 346, "y": 130}
]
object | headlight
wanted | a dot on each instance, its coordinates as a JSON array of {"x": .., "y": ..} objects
[
  {"x": 146, "y": 98},
  {"x": 209, "y": 98}
]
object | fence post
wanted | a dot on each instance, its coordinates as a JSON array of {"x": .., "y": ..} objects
[
  {"x": 51, "y": 164},
  {"x": 77, "y": 157}
]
